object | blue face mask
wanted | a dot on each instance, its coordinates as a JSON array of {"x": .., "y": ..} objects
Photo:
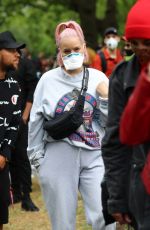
[{"x": 73, "y": 61}]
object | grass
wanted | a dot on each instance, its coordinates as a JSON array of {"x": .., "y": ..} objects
[{"x": 21, "y": 220}]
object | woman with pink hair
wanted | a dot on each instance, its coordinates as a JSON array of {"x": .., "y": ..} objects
[{"x": 74, "y": 162}]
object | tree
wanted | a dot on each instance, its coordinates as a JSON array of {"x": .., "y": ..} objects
[{"x": 35, "y": 21}]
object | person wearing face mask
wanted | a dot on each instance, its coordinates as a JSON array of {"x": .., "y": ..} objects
[
  {"x": 126, "y": 146},
  {"x": 74, "y": 162},
  {"x": 10, "y": 114},
  {"x": 110, "y": 55},
  {"x": 127, "y": 49}
]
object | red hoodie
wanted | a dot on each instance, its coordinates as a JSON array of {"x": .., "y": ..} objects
[{"x": 111, "y": 62}]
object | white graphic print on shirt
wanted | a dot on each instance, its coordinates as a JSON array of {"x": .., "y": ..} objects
[
  {"x": 14, "y": 99},
  {"x": 85, "y": 132}
]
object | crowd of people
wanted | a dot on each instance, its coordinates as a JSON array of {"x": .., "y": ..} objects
[{"x": 103, "y": 151}]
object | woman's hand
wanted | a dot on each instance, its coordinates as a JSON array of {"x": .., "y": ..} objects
[
  {"x": 102, "y": 89},
  {"x": 26, "y": 112},
  {"x": 122, "y": 218}
]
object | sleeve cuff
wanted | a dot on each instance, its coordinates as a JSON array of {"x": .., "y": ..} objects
[
  {"x": 118, "y": 206},
  {"x": 30, "y": 98},
  {"x": 6, "y": 152},
  {"x": 103, "y": 99}
]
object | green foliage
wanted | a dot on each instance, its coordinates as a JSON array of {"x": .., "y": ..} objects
[
  {"x": 36, "y": 26},
  {"x": 123, "y": 8},
  {"x": 100, "y": 8},
  {"x": 34, "y": 22}
]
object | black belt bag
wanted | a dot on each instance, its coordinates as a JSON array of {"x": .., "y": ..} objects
[{"x": 65, "y": 124}]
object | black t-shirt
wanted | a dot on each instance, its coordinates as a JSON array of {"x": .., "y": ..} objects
[
  {"x": 9, "y": 113},
  {"x": 26, "y": 77}
]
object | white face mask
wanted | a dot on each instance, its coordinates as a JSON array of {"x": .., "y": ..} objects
[
  {"x": 111, "y": 43},
  {"x": 73, "y": 61}
]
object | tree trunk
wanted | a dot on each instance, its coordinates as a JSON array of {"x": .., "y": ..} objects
[
  {"x": 110, "y": 17},
  {"x": 90, "y": 24},
  {"x": 87, "y": 12}
]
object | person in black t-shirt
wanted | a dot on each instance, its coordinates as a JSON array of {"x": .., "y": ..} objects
[
  {"x": 9, "y": 114},
  {"x": 20, "y": 168}
]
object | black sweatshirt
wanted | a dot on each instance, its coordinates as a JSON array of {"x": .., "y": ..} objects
[{"x": 9, "y": 113}]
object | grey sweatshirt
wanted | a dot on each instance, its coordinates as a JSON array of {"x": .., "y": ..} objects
[{"x": 55, "y": 93}]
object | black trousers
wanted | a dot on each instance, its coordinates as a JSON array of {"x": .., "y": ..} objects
[
  {"x": 4, "y": 194},
  {"x": 139, "y": 200},
  {"x": 20, "y": 168}
]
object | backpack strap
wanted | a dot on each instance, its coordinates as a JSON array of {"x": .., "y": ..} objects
[{"x": 103, "y": 60}]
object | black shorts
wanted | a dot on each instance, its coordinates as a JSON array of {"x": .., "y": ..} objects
[{"x": 4, "y": 194}]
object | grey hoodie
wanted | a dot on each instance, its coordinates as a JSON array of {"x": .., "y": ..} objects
[{"x": 55, "y": 93}]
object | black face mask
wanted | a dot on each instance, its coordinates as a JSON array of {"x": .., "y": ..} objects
[{"x": 128, "y": 52}]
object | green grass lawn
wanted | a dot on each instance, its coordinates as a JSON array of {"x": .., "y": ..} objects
[{"x": 21, "y": 220}]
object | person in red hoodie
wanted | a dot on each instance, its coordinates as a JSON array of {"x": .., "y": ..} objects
[
  {"x": 110, "y": 55},
  {"x": 136, "y": 115},
  {"x": 126, "y": 144},
  {"x": 135, "y": 121}
]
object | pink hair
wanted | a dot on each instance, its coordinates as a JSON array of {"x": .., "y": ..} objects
[{"x": 68, "y": 29}]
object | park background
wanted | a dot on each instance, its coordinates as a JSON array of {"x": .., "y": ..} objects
[{"x": 34, "y": 22}]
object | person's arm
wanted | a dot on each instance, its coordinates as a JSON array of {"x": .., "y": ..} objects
[
  {"x": 36, "y": 132},
  {"x": 3, "y": 161},
  {"x": 135, "y": 121},
  {"x": 11, "y": 132},
  {"x": 31, "y": 79},
  {"x": 30, "y": 85},
  {"x": 115, "y": 155},
  {"x": 26, "y": 112},
  {"x": 102, "y": 90}
]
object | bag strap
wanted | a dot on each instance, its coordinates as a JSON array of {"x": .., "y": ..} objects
[
  {"x": 84, "y": 81},
  {"x": 103, "y": 60},
  {"x": 79, "y": 106}
]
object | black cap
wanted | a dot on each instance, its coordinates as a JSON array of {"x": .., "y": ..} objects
[
  {"x": 8, "y": 41},
  {"x": 111, "y": 30}
]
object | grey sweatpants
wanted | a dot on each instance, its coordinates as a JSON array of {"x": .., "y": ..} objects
[{"x": 63, "y": 172}]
